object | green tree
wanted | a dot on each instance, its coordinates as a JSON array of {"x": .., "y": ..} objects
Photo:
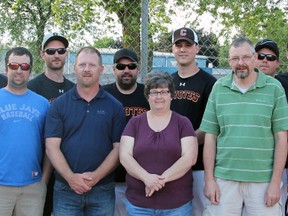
[
  {"x": 25, "y": 21},
  {"x": 254, "y": 19},
  {"x": 104, "y": 42}
]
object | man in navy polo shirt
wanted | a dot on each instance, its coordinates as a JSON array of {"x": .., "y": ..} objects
[
  {"x": 83, "y": 131},
  {"x": 3, "y": 81}
]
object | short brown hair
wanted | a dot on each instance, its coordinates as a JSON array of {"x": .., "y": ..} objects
[{"x": 158, "y": 79}]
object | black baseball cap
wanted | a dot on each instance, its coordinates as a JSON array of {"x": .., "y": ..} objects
[
  {"x": 270, "y": 44},
  {"x": 54, "y": 36},
  {"x": 125, "y": 53},
  {"x": 185, "y": 34}
]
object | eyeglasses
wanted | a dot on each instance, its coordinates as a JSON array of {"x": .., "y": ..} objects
[
  {"x": 269, "y": 57},
  {"x": 15, "y": 66},
  {"x": 236, "y": 59},
  {"x": 130, "y": 66},
  {"x": 52, "y": 51},
  {"x": 162, "y": 93}
]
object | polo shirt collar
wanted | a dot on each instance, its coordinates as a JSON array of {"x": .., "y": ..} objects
[
  {"x": 260, "y": 81},
  {"x": 76, "y": 96}
]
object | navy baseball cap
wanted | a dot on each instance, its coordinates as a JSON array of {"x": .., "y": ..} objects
[
  {"x": 125, "y": 53},
  {"x": 270, "y": 44},
  {"x": 54, "y": 36},
  {"x": 185, "y": 34}
]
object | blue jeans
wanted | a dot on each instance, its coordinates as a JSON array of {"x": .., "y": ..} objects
[
  {"x": 184, "y": 210},
  {"x": 100, "y": 201}
]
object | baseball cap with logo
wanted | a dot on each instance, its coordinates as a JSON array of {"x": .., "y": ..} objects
[
  {"x": 270, "y": 44},
  {"x": 125, "y": 53},
  {"x": 185, "y": 34},
  {"x": 54, "y": 36}
]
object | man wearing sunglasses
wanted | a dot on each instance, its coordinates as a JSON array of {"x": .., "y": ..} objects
[
  {"x": 3, "y": 81},
  {"x": 268, "y": 57},
  {"x": 22, "y": 118},
  {"x": 130, "y": 93},
  {"x": 268, "y": 62},
  {"x": 52, "y": 84}
]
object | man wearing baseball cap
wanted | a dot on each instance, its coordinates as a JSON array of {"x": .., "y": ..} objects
[
  {"x": 52, "y": 84},
  {"x": 268, "y": 56},
  {"x": 130, "y": 93},
  {"x": 192, "y": 88},
  {"x": 268, "y": 62}
]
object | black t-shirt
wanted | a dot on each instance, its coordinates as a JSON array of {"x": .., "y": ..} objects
[
  {"x": 134, "y": 104},
  {"x": 191, "y": 96},
  {"x": 3, "y": 81},
  {"x": 283, "y": 78},
  {"x": 48, "y": 88}
]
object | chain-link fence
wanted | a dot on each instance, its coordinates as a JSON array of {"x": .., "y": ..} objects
[{"x": 143, "y": 26}]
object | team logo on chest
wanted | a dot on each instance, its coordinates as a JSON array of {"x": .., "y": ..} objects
[
  {"x": 61, "y": 91},
  {"x": 182, "y": 84}
]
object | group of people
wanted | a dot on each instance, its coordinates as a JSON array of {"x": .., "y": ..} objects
[{"x": 188, "y": 144}]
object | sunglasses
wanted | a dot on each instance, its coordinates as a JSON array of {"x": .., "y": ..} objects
[
  {"x": 269, "y": 57},
  {"x": 130, "y": 66},
  {"x": 52, "y": 51},
  {"x": 15, "y": 66}
]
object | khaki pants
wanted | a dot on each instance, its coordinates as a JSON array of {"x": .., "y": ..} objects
[
  {"x": 232, "y": 196},
  {"x": 22, "y": 201}
]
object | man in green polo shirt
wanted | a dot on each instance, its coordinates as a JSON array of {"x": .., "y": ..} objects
[{"x": 245, "y": 147}]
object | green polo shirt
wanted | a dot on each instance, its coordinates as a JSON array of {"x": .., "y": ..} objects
[{"x": 245, "y": 124}]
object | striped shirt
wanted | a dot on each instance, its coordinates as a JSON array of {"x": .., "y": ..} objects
[{"x": 245, "y": 124}]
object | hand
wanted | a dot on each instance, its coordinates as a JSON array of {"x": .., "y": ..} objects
[
  {"x": 77, "y": 183},
  {"x": 93, "y": 180},
  {"x": 153, "y": 183},
  {"x": 272, "y": 195},
  {"x": 212, "y": 192}
]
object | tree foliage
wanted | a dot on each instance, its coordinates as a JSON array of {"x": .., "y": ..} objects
[
  {"x": 81, "y": 20},
  {"x": 26, "y": 21},
  {"x": 256, "y": 19}
]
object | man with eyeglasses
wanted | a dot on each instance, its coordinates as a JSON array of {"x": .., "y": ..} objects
[
  {"x": 130, "y": 93},
  {"x": 22, "y": 118},
  {"x": 51, "y": 84},
  {"x": 3, "y": 81},
  {"x": 192, "y": 88},
  {"x": 245, "y": 124},
  {"x": 268, "y": 62}
]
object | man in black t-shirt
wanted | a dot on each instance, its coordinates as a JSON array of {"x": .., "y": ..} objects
[
  {"x": 268, "y": 62},
  {"x": 3, "y": 81},
  {"x": 130, "y": 93},
  {"x": 51, "y": 84},
  {"x": 192, "y": 89}
]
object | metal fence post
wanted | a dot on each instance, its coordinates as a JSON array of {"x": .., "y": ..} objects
[{"x": 144, "y": 39}]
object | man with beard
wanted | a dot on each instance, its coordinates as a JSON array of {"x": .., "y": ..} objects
[
  {"x": 22, "y": 177},
  {"x": 245, "y": 146},
  {"x": 268, "y": 62},
  {"x": 52, "y": 84},
  {"x": 130, "y": 93}
]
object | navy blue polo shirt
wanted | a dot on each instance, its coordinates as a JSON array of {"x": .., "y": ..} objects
[{"x": 87, "y": 129}]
